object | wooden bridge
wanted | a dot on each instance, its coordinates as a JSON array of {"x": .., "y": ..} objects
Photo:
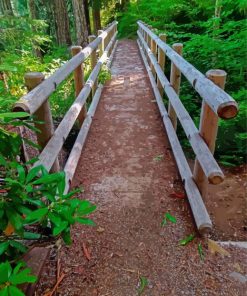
[{"x": 128, "y": 117}]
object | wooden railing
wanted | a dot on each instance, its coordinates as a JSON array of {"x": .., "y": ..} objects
[
  {"x": 215, "y": 103},
  {"x": 36, "y": 102}
]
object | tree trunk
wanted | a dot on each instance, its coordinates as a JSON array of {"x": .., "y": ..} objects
[
  {"x": 80, "y": 23},
  {"x": 33, "y": 15},
  {"x": 96, "y": 20},
  {"x": 87, "y": 15},
  {"x": 6, "y": 7},
  {"x": 62, "y": 22}
]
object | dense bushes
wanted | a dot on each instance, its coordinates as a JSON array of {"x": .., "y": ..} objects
[{"x": 210, "y": 41}]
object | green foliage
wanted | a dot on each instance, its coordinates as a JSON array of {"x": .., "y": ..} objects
[
  {"x": 33, "y": 205},
  {"x": 186, "y": 240},
  {"x": 10, "y": 278},
  {"x": 142, "y": 284}
]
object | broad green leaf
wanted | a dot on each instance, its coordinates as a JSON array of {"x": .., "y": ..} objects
[
  {"x": 58, "y": 229},
  {"x": 5, "y": 272},
  {"x": 18, "y": 245},
  {"x": 66, "y": 236},
  {"x": 37, "y": 215},
  {"x": 21, "y": 173},
  {"x": 14, "y": 218},
  {"x": 55, "y": 219},
  {"x": 14, "y": 115},
  {"x": 31, "y": 235},
  {"x": 33, "y": 173},
  {"x": 185, "y": 241},
  {"x": 143, "y": 284},
  {"x": 14, "y": 291},
  {"x": 85, "y": 221},
  {"x": 22, "y": 277},
  {"x": 56, "y": 177},
  {"x": 164, "y": 222},
  {"x": 18, "y": 267},
  {"x": 4, "y": 291},
  {"x": 85, "y": 208},
  {"x": 3, "y": 247}
]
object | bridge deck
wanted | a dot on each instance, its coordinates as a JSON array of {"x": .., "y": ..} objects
[{"x": 127, "y": 169}]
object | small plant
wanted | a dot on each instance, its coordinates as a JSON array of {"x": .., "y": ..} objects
[
  {"x": 10, "y": 278},
  {"x": 168, "y": 217},
  {"x": 143, "y": 283},
  {"x": 186, "y": 240},
  {"x": 33, "y": 205},
  {"x": 159, "y": 157},
  {"x": 200, "y": 251}
]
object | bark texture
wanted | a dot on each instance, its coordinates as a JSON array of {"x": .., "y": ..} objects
[
  {"x": 62, "y": 22},
  {"x": 96, "y": 20},
  {"x": 33, "y": 15},
  {"x": 87, "y": 15},
  {"x": 6, "y": 7},
  {"x": 80, "y": 23}
]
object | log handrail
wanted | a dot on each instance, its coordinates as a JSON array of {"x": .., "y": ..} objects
[
  {"x": 219, "y": 101},
  {"x": 37, "y": 100},
  {"x": 215, "y": 103},
  {"x": 53, "y": 147},
  {"x": 204, "y": 155},
  {"x": 34, "y": 99}
]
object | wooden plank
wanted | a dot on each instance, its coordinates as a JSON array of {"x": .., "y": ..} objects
[
  {"x": 34, "y": 99},
  {"x": 35, "y": 259},
  {"x": 203, "y": 154},
  {"x": 202, "y": 219},
  {"x": 79, "y": 82},
  {"x": 175, "y": 80},
  {"x": 55, "y": 144},
  {"x": 43, "y": 115},
  {"x": 161, "y": 61},
  {"x": 75, "y": 153},
  {"x": 219, "y": 101}
]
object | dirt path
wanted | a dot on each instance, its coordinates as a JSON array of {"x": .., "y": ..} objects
[{"x": 128, "y": 170}]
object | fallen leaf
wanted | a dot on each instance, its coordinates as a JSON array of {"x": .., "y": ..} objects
[
  {"x": 100, "y": 229},
  {"x": 86, "y": 252},
  {"x": 185, "y": 241},
  {"x": 177, "y": 195},
  {"x": 170, "y": 218},
  {"x": 9, "y": 229},
  {"x": 215, "y": 248}
]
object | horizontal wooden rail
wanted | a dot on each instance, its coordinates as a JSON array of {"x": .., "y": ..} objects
[
  {"x": 219, "y": 101},
  {"x": 71, "y": 164},
  {"x": 203, "y": 154},
  {"x": 198, "y": 208},
  {"x": 34, "y": 99},
  {"x": 53, "y": 147}
]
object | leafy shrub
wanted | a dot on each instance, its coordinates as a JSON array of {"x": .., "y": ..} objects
[{"x": 33, "y": 204}]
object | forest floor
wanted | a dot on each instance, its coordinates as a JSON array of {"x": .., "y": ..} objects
[{"x": 128, "y": 170}]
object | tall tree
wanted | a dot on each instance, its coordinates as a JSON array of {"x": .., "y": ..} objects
[
  {"x": 6, "y": 7},
  {"x": 87, "y": 15},
  {"x": 80, "y": 22},
  {"x": 33, "y": 15},
  {"x": 62, "y": 22},
  {"x": 96, "y": 5}
]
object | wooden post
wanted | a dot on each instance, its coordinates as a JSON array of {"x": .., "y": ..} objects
[
  {"x": 175, "y": 80},
  {"x": 101, "y": 45},
  {"x": 153, "y": 49},
  {"x": 208, "y": 129},
  {"x": 43, "y": 114},
  {"x": 79, "y": 82},
  {"x": 161, "y": 61},
  {"x": 93, "y": 63}
]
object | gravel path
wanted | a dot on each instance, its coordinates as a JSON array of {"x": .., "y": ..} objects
[{"x": 128, "y": 170}]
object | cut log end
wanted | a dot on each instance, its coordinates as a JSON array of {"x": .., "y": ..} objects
[
  {"x": 21, "y": 107},
  {"x": 228, "y": 110},
  {"x": 205, "y": 229},
  {"x": 216, "y": 178}
]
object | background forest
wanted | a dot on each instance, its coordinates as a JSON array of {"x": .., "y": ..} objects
[{"x": 35, "y": 35}]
